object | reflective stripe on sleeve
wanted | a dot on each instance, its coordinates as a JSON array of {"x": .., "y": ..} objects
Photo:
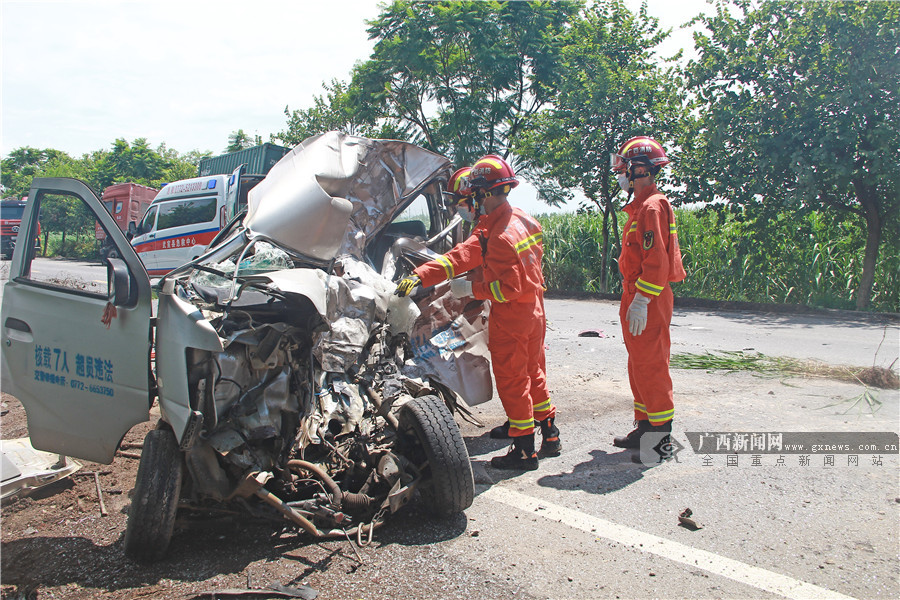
[
  {"x": 495, "y": 291},
  {"x": 448, "y": 266},
  {"x": 528, "y": 242},
  {"x": 672, "y": 230},
  {"x": 648, "y": 288}
]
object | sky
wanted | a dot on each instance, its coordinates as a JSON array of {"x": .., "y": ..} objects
[{"x": 78, "y": 74}]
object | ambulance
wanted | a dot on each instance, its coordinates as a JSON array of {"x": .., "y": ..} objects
[{"x": 186, "y": 215}]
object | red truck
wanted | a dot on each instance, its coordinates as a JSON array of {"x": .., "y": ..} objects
[
  {"x": 10, "y": 220},
  {"x": 126, "y": 202}
]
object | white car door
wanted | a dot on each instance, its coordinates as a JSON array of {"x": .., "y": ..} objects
[{"x": 76, "y": 343}]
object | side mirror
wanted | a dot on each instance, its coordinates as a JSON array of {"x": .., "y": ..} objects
[
  {"x": 132, "y": 231},
  {"x": 119, "y": 282}
]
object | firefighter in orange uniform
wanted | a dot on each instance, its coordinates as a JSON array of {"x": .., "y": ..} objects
[
  {"x": 507, "y": 243},
  {"x": 649, "y": 261}
]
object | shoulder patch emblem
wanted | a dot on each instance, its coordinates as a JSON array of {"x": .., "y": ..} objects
[{"x": 648, "y": 240}]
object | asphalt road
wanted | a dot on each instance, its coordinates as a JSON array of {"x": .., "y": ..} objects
[
  {"x": 592, "y": 524},
  {"x": 599, "y": 526}
]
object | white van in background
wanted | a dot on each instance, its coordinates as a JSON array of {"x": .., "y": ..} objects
[{"x": 185, "y": 216}]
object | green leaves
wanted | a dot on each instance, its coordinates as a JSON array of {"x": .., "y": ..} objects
[
  {"x": 799, "y": 106},
  {"x": 460, "y": 78}
]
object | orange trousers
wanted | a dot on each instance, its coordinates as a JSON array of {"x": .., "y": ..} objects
[
  {"x": 648, "y": 358},
  {"x": 516, "y": 332}
]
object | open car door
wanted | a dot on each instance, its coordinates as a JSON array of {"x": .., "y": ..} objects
[
  {"x": 76, "y": 338},
  {"x": 233, "y": 197}
]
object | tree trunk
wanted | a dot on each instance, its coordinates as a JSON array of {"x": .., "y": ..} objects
[
  {"x": 604, "y": 252},
  {"x": 867, "y": 198}
]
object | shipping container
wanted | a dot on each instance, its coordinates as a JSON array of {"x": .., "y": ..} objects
[{"x": 258, "y": 159}]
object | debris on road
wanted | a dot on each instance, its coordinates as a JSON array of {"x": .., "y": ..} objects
[
  {"x": 273, "y": 590},
  {"x": 685, "y": 520},
  {"x": 597, "y": 333},
  {"x": 25, "y": 469}
]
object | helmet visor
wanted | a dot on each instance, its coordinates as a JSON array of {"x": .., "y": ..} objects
[{"x": 617, "y": 162}]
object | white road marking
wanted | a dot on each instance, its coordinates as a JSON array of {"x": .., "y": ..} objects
[{"x": 762, "y": 579}]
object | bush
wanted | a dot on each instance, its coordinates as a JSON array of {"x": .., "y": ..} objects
[{"x": 812, "y": 259}]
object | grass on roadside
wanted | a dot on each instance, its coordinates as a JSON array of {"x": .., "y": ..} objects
[
  {"x": 777, "y": 366},
  {"x": 780, "y": 366}
]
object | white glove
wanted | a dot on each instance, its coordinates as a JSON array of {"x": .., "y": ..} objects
[
  {"x": 637, "y": 314},
  {"x": 460, "y": 288}
]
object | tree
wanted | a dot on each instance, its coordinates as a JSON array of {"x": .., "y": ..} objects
[
  {"x": 135, "y": 162},
  {"x": 239, "y": 140},
  {"x": 459, "y": 78},
  {"x": 139, "y": 163},
  {"x": 799, "y": 106},
  {"x": 22, "y": 165},
  {"x": 612, "y": 86},
  {"x": 332, "y": 112}
]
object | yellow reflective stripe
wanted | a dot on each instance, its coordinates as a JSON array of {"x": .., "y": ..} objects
[
  {"x": 640, "y": 407},
  {"x": 672, "y": 230},
  {"x": 661, "y": 417},
  {"x": 526, "y": 424},
  {"x": 495, "y": 291},
  {"x": 530, "y": 241},
  {"x": 545, "y": 405},
  {"x": 640, "y": 141},
  {"x": 448, "y": 267},
  {"x": 632, "y": 228},
  {"x": 648, "y": 288},
  {"x": 491, "y": 161}
]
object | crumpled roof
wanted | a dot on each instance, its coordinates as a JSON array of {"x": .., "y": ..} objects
[{"x": 376, "y": 178}]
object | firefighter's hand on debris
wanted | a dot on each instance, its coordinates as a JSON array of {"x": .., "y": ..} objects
[
  {"x": 405, "y": 287},
  {"x": 460, "y": 288},
  {"x": 637, "y": 314}
]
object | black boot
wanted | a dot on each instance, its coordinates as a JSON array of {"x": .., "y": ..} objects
[
  {"x": 657, "y": 449},
  {"x": 500, "y": 432},
  {"x": 633, "y": 439},
  {"x": 550, "y": 444},
  {"x": 521, "y": 455}
]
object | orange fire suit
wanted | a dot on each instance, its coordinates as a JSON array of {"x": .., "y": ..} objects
[
  {"x": 507, "y": 243},
  {"x": 650, "y": 259}
]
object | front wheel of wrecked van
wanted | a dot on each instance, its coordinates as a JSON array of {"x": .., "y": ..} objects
[
  {"x": 151, "y": 518},
  {"x": 429, "y": 433}
]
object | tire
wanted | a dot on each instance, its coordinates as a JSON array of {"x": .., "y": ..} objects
[
  {"x": 429, "y": 432},
  {"x": 113, "y": 253},
  {"x": 151, "y": 518}
]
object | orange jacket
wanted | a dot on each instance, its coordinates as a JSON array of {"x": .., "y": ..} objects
[
  {"x": 508, "y": 244},
  {"x": 651, "y": 257}
]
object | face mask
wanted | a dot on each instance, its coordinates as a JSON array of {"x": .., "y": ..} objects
[
  {"x": 622, "y": 178},
  {"x": 466, "y": 213}
]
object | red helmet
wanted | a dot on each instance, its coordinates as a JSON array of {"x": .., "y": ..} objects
[
  {"x": 458, "y": 186},
  {"x": 491, "y": 172},
  {"x": 641, "y": 149}
]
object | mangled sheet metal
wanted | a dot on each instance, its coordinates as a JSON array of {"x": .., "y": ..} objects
[
  {"x": 451, "y": 339},
  {"x": 306, "y": 199},
  {"x": 325, "y": 201},
  {"x": 25, "y": 469}
]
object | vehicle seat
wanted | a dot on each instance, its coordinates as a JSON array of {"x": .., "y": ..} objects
[{"x": 390, "y": 234}]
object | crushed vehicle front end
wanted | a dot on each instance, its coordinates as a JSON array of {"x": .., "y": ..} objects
[{"x": 292, "y": 382}]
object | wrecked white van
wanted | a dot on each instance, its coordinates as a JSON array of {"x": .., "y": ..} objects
[{"x": 291, "y": 382}]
